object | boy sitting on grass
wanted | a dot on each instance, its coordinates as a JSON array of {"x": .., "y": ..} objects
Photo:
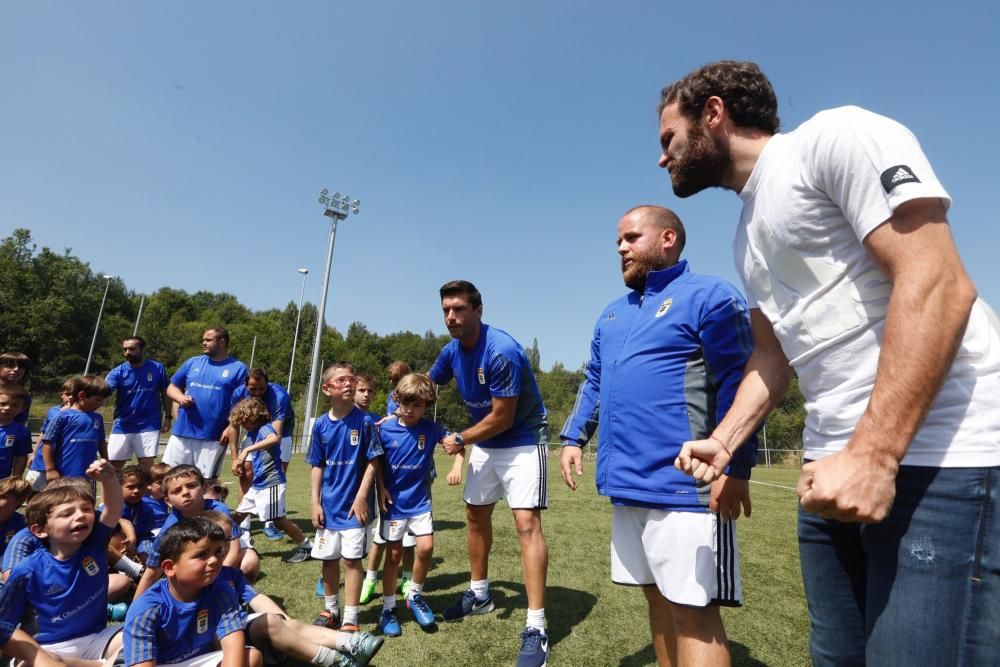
[
  {"x": 266, "y": 495},
  {"x": 61, "y": 591},
  {"x": 179, "y": 619}
]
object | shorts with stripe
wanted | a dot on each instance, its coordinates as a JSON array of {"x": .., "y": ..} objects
[
  {"x": 268, "y": 504},
  {"x": 691, "y": 557},
  {"x": 517, "y": 473},
  {"x": 206, "y": 455}
]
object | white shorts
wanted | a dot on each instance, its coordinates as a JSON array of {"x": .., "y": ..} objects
[
  {"x": 397, "y": 530},
  {"x": 691, "y": 557},
  {"x": 122, "y": 445},
  {"x": 517, "y": 473},
  {"x": 409, "y": 541},
  {"x": 213, "y": 659},
  {"x": 87, "y": 647},
  {"x": 349, "y": 543},
  {"x": 286, "y": 449},
  {"x": 37, "y": 480},
  {"x": 206, "y": 455},
  {"x": 268, "y": 504}
]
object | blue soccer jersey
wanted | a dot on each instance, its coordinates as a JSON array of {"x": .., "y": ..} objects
[
  {"x": 37, "y": 462},
  {"x": 15, "y": 440},
  {"x": 496, "y": 366},
  {"x": 160, "y": 510},
  {"x": 143, "y": 517},
  {"x": 56, "y": 600},
  {"x": 18, "y": 547},
  {"x": 278, "y": 402},
  {"x": 409, "y": 456},
  {"x": 162, "y": 629},
  {"x": 390, "y": 403},
  {"x": 342, "y": 448},
  {"x": 267, "y": 471},
  {"x": 233, "y": 577},
  {"x": 211, "y": 384},
  {"x": 75, "y": 437},
  {"x": 153, "y": 560},
  {"x": 138, "y": 406},
  {"x": 8, "y": 529}
]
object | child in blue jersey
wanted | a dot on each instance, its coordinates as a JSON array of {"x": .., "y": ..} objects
[
  {"x": 15, "y": 439},
  {"x": 280, "y": 637},
  {"x": 36, "y": 472},
  {"x": 408, "y": 442},
  {"x": 13, "y": 369},
  {"x": 344, "y": 452},
  {"x": 266, "y": 495},
  {"x": 157, "y": 497},
  {"x": 180, "y": 618},
  {"x": 185, "y": 491},
  {"x": 62, "y": 589},
  {"x": 13, "y": 493},
  {"x": 75, "y": 438}
]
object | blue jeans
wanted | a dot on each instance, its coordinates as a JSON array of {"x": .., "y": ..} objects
[{"x": 920, "y": 588}]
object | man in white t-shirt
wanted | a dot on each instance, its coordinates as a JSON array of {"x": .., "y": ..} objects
[{"x": 854, "y": 282}]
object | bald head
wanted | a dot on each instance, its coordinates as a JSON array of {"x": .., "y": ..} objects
[
  {"x": 650, "y": 238},
  {"x": 662, "y": 218}
]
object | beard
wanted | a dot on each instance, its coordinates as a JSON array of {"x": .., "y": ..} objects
[
  {"x": 642, "y": 263},
  {"x": 702, "y": 165}
]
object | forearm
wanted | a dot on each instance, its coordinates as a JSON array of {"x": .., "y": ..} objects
[
  {"x": 765, "y": 380},
  {"x": 233, "y": 651},
  {"x": 368, "y": 480},
  {"x": 175, "y": 394},
  {"x": 316, "y": 486},
  {"x": 149, "y": 577},
  {"x": 235, "y": 554},
  {"x": 20, "y": 463},
  {"x": 102, "y": 449},
  {"x": 49, "y": 456},
  {"x": 490, "y": 425},
  {"x": 111, "y": 491}
]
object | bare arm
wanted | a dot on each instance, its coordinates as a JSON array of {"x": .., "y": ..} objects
[
  {"x": 149, "y": 577},
  {"x": 20, "y": 463},
  {"x": 168, "y": 406},
  {"x": 499, "y": 419},
  {"x": 233, "y": 652},
  {"x": 270, "y": 441},
  {"x": 316, "y": 496},
  {"x": 49, "y": 456},
  {"x": 359, "y": 508},
  {"x": 111, "y": 490},
  {"x": 177, "y": 395}
]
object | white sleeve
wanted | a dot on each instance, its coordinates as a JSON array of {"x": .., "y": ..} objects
[{"x": 868, "y": 165}]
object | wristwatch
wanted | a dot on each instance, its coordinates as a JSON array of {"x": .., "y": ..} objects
[{"x": 459, "y": 440}]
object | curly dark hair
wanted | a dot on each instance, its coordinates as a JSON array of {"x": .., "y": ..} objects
[{"x": 747, "y": 93}]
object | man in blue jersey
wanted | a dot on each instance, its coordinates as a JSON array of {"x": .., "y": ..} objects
[
  {"x": 203, "y": 388},
  {"x": 510, "y": 429},
  {"x": 141, "y": 391},
  {"x": 665, "y": 362}
]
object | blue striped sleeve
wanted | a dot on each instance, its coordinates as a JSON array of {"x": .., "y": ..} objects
[
  {"x": 232, "y": 617},
  {"x": 12, "y": 598},
  {"x": 140, "y": 636},
  {"x": 505, "y": 376}
]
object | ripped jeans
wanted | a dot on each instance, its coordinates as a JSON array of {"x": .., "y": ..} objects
[{"x": 920, "y": 588}]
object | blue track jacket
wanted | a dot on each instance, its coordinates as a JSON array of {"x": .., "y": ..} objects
[{"x": 664, "y": 368}]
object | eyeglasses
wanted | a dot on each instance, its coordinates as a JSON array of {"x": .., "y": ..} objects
[{"x": 342, "y": 381}]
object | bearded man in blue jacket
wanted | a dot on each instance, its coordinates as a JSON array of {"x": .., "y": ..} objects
[{"x": 665, "y": 362}]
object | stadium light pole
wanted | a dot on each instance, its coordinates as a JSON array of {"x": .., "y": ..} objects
[
  {"x": 295, "y": 338},
  {"x": 336, "y": 208},
  {"x": 93, "y": 341}
]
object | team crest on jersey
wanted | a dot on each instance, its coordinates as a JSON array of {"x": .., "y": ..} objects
[
  {"x": 90, "y": 566},
  {"x": 482, "y": 376},
  {"x": 97, "y": 422},
  {"x": 355, "y": 437},
  {"x": 9, "y": 441},
  {"x": 611, "y": 315},
  {"x": 225, "y": 373},
  {"x": 664, "y": 307},
  {"x": 202, "y": 621},
  {"x": 421, "y": 441},
  {"x": 149, "y": 377}
]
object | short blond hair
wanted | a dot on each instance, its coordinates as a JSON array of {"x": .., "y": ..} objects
[
  {"x": 336, "y": 366},
  {"x": 415, "y": 387}
]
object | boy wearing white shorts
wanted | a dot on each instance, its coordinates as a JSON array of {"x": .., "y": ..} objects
[{"x": 344, "y": 453}]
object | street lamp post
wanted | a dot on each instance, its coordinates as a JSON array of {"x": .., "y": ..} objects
[
  {"x": 298, "y": 318},
  {"x": 336, "y": 208},
  {"x": 93, "y": 341}
]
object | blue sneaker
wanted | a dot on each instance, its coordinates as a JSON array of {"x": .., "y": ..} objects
[
  {"x": 319, "y": 588},
  {"x": 469, "y": 605},
  {"x": 388, "y": 624},
  {"x": 534, "y": 648},
  {"x": 272, "y": 532},
  {"x": 116, "y": 612},
  {"x": 421, "y": 611}
]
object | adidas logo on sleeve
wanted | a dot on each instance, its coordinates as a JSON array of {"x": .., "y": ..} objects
[{"x": 897, "y": 175}]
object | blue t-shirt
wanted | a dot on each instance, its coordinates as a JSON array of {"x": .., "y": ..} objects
[
  {"x": 8, "y": 529},
  {"x": 160, "y": 510},
  {"x": 153, "y": 560},
  {"x": 390, "y": 403},
  {"x": 342, "y": 448},
  {"x": 37, "y": 462},
  {"x": 20, "y": 546},
  {"x": 409, "y": 456},
  {"x": 75, "y": 437},
  {"x": 161, "y": 628},
  {"x": 233, "y": 577},
  {"x": 496, "y": 366},
  {"x": 15, "y": 440},
  {"x": 143, "y": 517},
  {"x": 211, "y": 384},
  {"x": 278, "y": 402},
  {"x": 267, "y": 470},
  {"x": 138, "y": 406},
  {"x": 56, "y": 600}
]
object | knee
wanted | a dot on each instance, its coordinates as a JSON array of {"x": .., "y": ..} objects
[
  {"x": 694, "y": 621},
  {"x": 529, "y": 527}
]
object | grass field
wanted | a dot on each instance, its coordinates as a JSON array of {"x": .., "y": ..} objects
[{"x": 591, "y": 621}]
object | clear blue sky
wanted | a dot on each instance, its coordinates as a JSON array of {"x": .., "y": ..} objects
[{"x": 184, "y": 144}]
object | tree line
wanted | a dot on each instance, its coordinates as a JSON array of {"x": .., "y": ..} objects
[{"x": 50, "y": 304}]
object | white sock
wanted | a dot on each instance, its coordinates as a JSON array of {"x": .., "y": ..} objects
[
  {"x": 371, "y": 575},
  {"x": 536, "y": 619},
  {"x": 343, "y": 641},
  {"x": 415, "y": 589},
  {"x": 305, "y": 543},
  {"x": 481, "y": 588},
  {"x": 388, "y": 602},
  {"x": 326, "y": 657},
  {"x": 332, "y": 602},
  {"x": 351, "y": 615},
  {"x": 129, "y": 567}
]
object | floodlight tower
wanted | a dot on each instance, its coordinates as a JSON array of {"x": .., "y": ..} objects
[
  {"x": 298, "y": 318},
  {"x": 336, "y": 208},
  {"x": 93, "y": 341}
]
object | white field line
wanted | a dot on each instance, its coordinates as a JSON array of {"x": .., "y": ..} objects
[{"x": 777, "y": 486}]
